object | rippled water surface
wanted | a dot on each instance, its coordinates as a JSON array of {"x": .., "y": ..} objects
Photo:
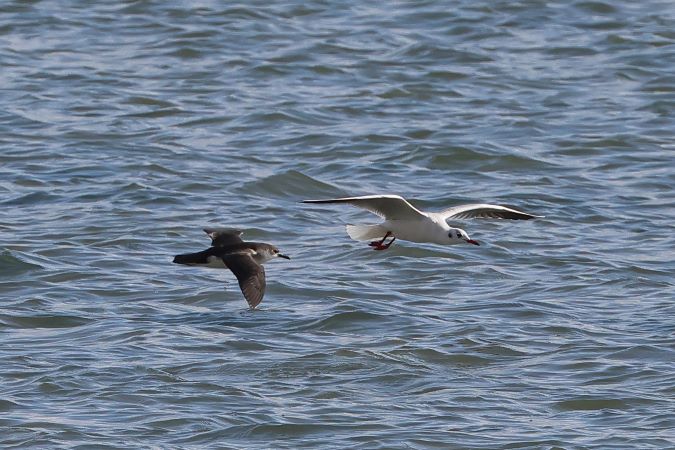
[{"x": 126, "y": 127}]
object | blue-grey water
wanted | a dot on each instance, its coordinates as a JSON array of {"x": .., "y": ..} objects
[{"x": 126, "y": 127}]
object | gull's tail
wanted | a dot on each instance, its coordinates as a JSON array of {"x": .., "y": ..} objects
[{"x": 365, "y": 232}]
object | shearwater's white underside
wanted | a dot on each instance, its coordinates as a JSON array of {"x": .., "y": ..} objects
[{"x": 215, "y": 263}]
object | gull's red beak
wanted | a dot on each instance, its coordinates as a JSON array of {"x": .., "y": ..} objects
[{"x": 471, "y": 241}]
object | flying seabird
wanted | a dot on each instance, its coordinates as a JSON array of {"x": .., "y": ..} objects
[
  {"x": 244, "y": 259},
  {"x": 403, "y": 221}
]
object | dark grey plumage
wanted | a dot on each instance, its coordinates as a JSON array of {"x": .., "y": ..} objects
[
  {"x": 221, "y": 237},
  {"x": 244, "y": 259}
]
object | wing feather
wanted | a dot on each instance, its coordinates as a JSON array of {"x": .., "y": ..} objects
[
  {"x": 389, "y": 207},
  {"x": 485, "y": 211},
  {"x": 250, "y": 274},
  {"x": 220, "y": 237}
]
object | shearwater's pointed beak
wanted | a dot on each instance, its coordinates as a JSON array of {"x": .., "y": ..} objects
[
  {"x": 471, "y": 241},
  {"x": 283, "y": 256}
]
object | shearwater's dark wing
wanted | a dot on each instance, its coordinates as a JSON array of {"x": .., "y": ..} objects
[
  {"x": 250, "y": 274},
  {"x": 221, "y": 237}
]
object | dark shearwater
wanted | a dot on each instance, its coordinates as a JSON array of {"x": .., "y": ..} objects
[{"x": 244, "y": 259}]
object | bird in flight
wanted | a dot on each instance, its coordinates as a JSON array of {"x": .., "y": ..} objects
[
  {"x": 244, "y": 259},
  {"x": 403, "y": 221}
]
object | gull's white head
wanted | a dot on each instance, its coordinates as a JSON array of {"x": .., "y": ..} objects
[{"x": 459, "y": 236}]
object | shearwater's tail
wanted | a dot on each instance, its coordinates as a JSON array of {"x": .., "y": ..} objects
[
  {"x": 191, "y": 258},
  {"x": 365, "y": 232}
]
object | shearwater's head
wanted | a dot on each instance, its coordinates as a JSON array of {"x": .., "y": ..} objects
[
  {"x": 459, "y": 236},
  {"x": 268, "y": 251}
]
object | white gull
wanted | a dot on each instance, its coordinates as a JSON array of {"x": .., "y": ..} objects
[{"x": 403, "y": 221}]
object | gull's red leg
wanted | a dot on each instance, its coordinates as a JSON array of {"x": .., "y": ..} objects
[
  {"x": 385, "y": 246},
  {"x": 380, "y": 245}
]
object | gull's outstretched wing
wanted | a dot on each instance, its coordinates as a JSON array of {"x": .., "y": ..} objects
[
  {"x": 389, "y": 207},
  {"x": 250, "y": 274},
  {"x": 485, "y": 211},
  {"x": 220, "y": 237}
]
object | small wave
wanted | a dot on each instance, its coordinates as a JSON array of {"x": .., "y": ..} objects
[
  {"x": 591, "y": 404},
  {"x": 346, "y": 320},
  {"x": 10, "y": 265},
  {"x": 596, "y": 7},
  {"x": 291, "y": 183},
  {"x": 31, "y": 199},
  {"x": 44, "y": 321},
  {"x": 432, "y": 356},
  {"x": 7, "y": 405}
]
